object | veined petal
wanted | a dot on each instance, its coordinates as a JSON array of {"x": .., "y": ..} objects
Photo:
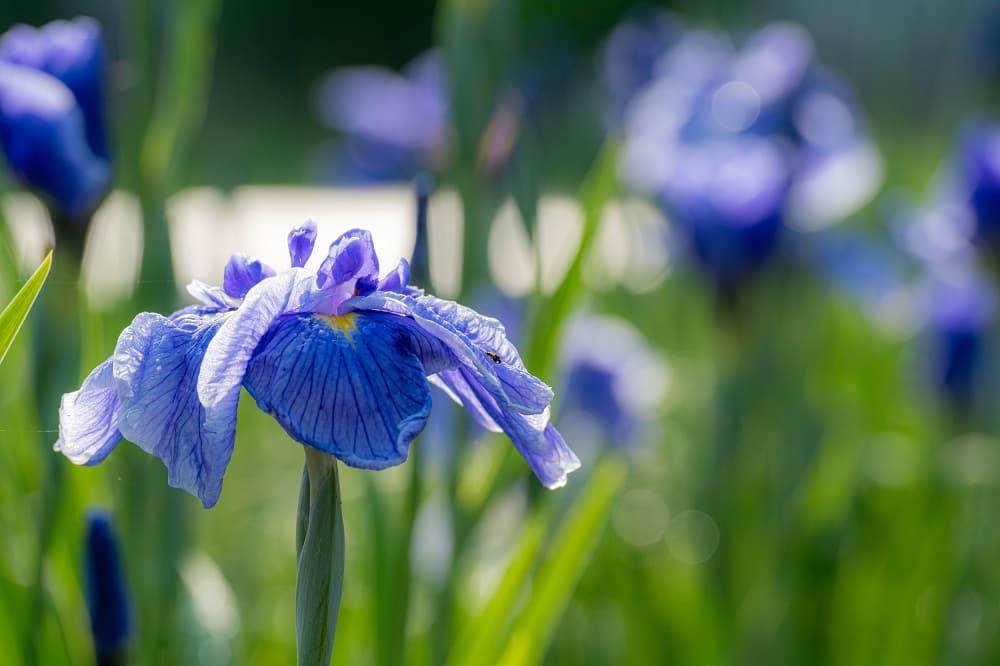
[
  {"x": 538, "y": 442},
  {"x": 477, "y": 342},
  {"x": 351, "y": 266},
  {"x": 476, "y": 364},
  {"x": 230, "y": 351},
  {"x": 349, "y": 386},
  {"x": 88, "y": 418},
  {"x": 156, "y": 366}
]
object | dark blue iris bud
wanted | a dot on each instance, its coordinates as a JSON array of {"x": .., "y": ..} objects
[
  {"x": 960, "y": 315},
  {"x": 242, "y": 273},
  {"x": 44, "y": 140},
  {"x": 73, "y": 52},
  {"x": 107, "y": 594},
  {"x": 979, "y": 181},
  {"x": 52, "y": 113},
  {"x": 728, "y": 200}
]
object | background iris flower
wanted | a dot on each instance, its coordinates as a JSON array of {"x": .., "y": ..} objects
[
  {"x": 52, "y": 113},
  {"x": 339, "y": 357},
  {"x": 740, "y": 145}
]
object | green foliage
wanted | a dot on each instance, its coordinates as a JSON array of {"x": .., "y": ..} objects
[{"x": 16, "y": 312}]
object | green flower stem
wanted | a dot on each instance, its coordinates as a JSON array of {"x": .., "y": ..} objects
[{"x": 320, "y": 579}]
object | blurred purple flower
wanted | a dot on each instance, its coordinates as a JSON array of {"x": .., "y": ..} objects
[
  {"x": 961, "y": 310},
  {"x": 978, "y": 181},
  {"x": 340, "y": 358},
  {"x": 807, "y": 161},
  {"x": 52, "y": 112},
  {"x": 612, "y": 379},
  {"x": 727, "y": 198},
  {"x": 393, "y": 124}
]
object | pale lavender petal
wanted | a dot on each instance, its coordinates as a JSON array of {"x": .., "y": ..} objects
[
  {"x": 156, "y": 367},
  {"x": 88, "y": 418},
  {"x": 213, "y": 297}
]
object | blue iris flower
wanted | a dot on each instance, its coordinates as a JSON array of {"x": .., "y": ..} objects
[
  {"x": 106, "y": 590},
  {"x": 341, "y": 358},
  {"x": 51, "y": 112},
  {"x": 739, "y": 146}
]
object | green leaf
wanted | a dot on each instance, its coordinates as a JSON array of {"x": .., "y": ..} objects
[
  {"x": 320, "y": 579},
  {"x": 13, "y": 316},
  {"x": 557, "y": 577},
  {"x": 479, "y": 639},
  {"x": 550, "y": 314}
]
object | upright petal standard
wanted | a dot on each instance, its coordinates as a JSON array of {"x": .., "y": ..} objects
[{"x": 340, "y": 358}]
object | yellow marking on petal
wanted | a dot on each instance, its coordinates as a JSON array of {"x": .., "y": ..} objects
[{"x": 343, "y": 323}]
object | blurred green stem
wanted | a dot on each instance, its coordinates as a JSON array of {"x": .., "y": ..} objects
[{"x": 57, "y": 369}]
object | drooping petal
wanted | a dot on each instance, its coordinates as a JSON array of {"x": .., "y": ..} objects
[
  {"x": 479, "y": 343},
  {"x": 242, "y": 272},
  {"x": 538, "y": 442},
  {"x": 230, "y": 351},
  {"x": 351, "y": 267},
  {"x": 473, "y": 359},
  {"x": 88, "y": 418},
  {"x": 156, "y": 366},
  {"x": 349, "y": 386},
  {"x": 301, "y": 241}
]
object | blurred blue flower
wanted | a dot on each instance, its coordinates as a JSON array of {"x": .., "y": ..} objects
[
  {"x": 613, "y": 380},
  {"x": 739, "y": 145},
  {"x": 961, "y": 310},
  {"x": 106, "y": 589},
  {"x": 340, "y": 358},
  {"x": 393, "y": 124},
  {"x": 51, "y": 112},
  {"x": 728, "y": 199},
  {"x": 628, "y": 59},
  {"x": 979, "y": 181}
]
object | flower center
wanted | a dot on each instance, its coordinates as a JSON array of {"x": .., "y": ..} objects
[{"x": 343, "y": 323}]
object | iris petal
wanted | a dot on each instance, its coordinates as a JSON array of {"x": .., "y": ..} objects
[
  {"x": 472, "y": 358},
  {"x": 88, "y": 418},
  {"x": 231, "y": 349},
  {"x": 351, "y": 266},
  {"x": 349, "y": 386},
  {"x": 242, "y": 273},
  {"x": 156, "y": 366},
  {"x": 301, "y": 240}
]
